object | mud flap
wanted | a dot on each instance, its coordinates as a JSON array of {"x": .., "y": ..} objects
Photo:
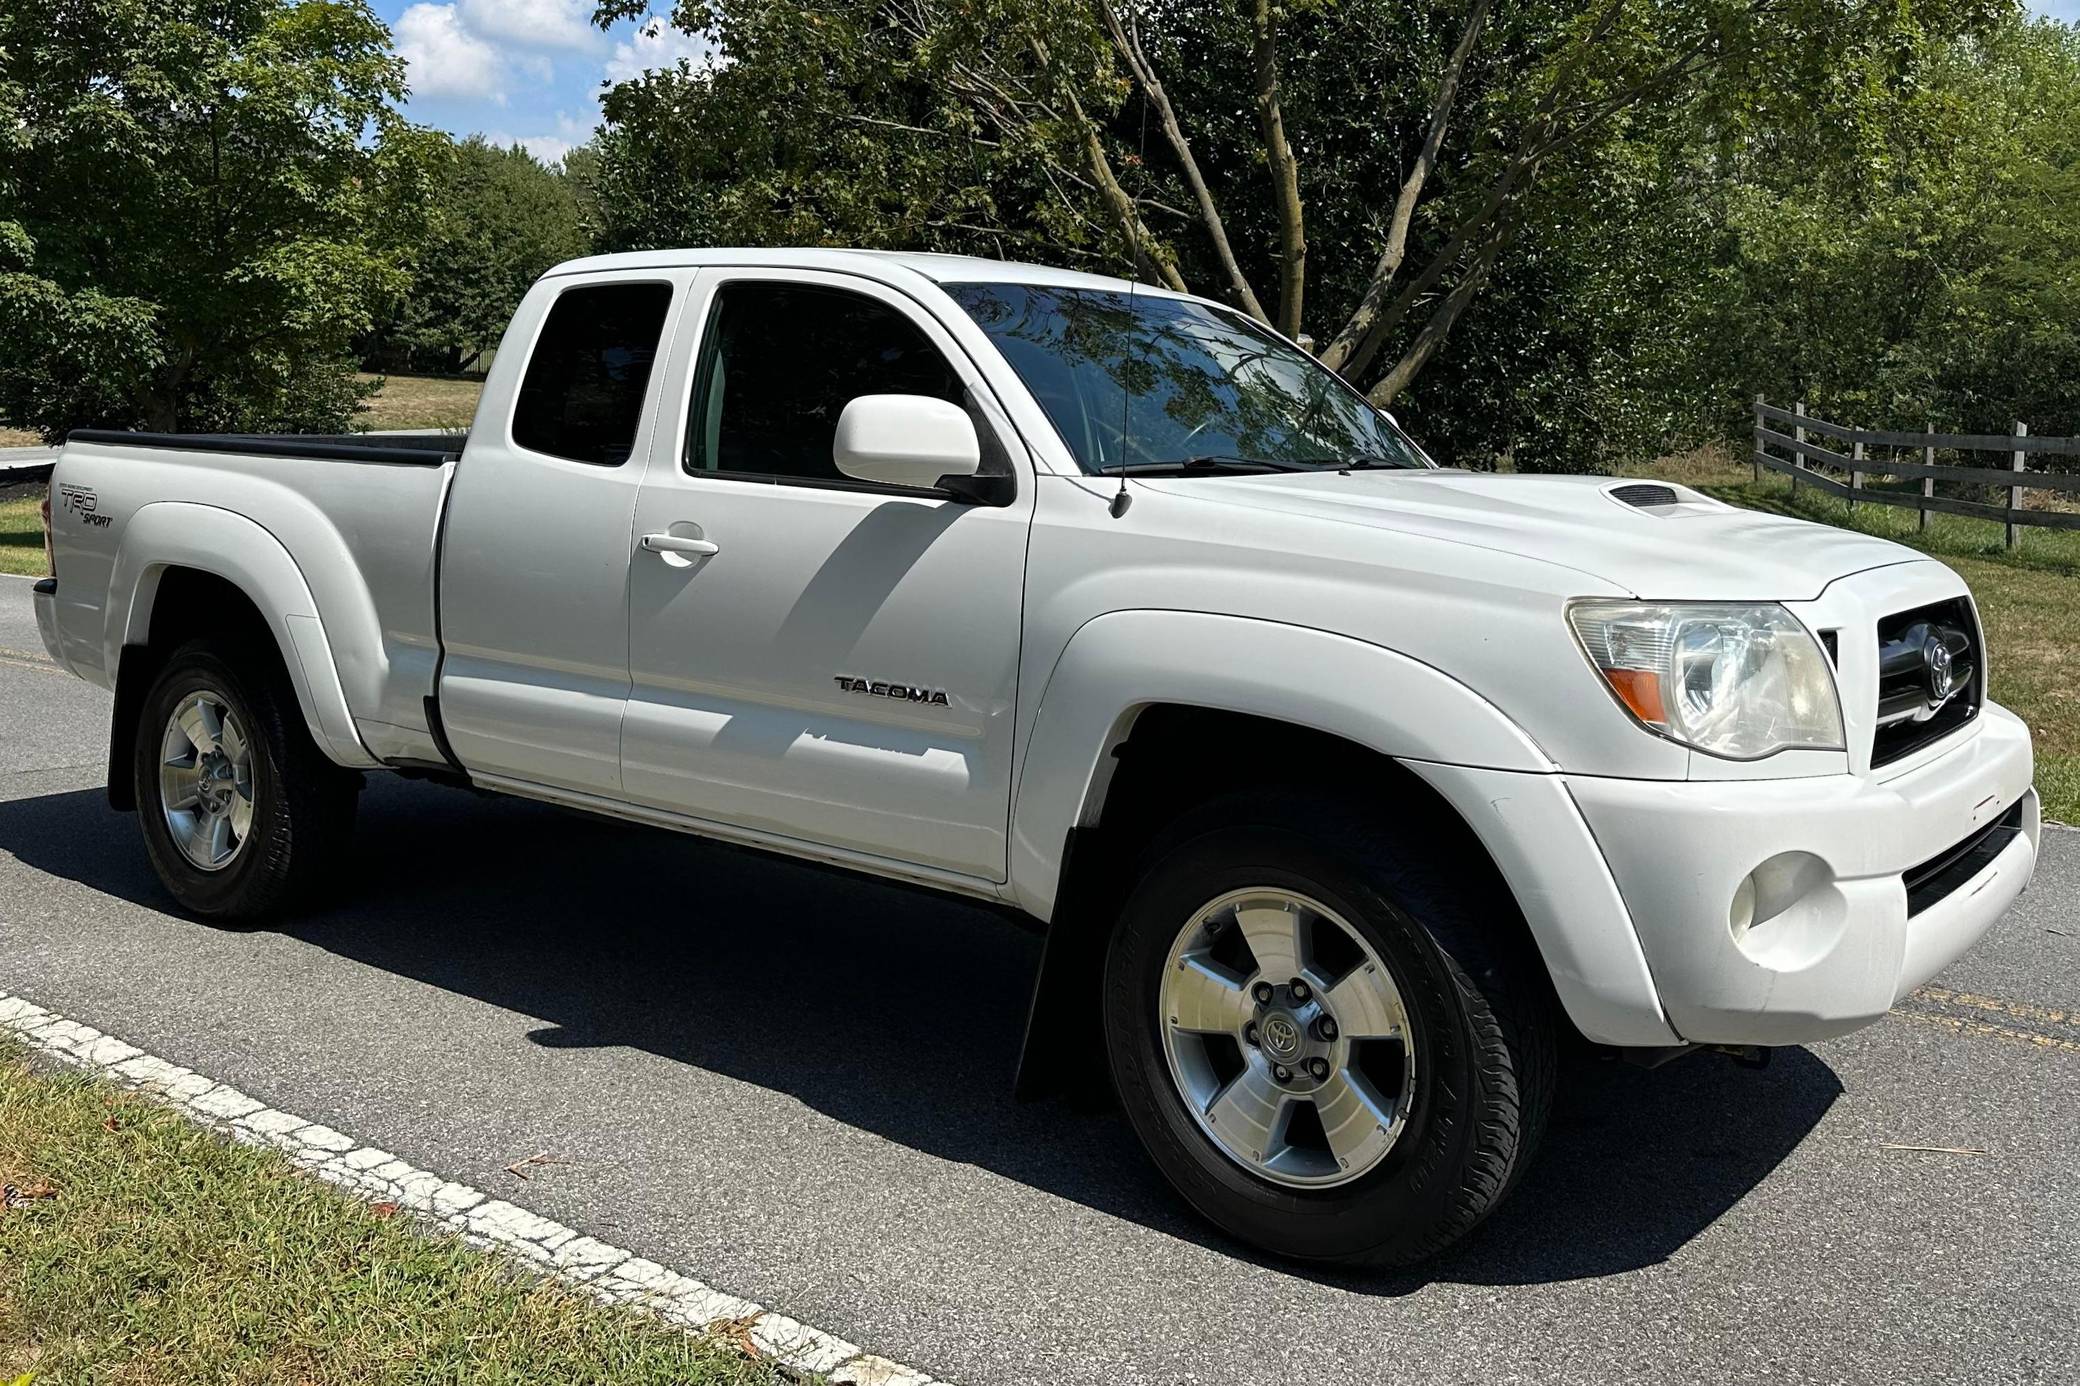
[
  {"x": 135, "y": 669},
  {"x": 1064, "y": 1050}
]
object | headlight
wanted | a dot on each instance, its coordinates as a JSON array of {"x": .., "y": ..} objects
[{"x": 1737, "y": 680}]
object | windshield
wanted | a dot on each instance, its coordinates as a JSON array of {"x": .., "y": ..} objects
[{"x": 1151, "y": 383}]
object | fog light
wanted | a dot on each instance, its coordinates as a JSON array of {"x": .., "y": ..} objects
[
  {"x": 1788, "y": 912},
  {"x": 1741, "y": 916}
]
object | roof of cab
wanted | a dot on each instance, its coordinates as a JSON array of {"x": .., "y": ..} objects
[{"x": 940, "y": 269}]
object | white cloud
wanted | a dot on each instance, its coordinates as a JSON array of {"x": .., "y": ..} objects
[
  {"x": 657, "y": 46},
  {"x": 550, "y": 148},
  {"x": 533, "y": 23},
  {"x": 443, "y": 58}
]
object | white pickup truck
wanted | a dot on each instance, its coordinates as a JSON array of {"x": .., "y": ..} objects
[{"x": 1345, "y": 785}]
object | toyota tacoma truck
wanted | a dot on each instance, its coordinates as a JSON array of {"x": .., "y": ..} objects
[{"x": 1346, "y": 786}]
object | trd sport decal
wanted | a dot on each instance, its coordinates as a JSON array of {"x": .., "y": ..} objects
[
  {"x": 82, "y": 502},
  {"x": 902, "y": 691}
]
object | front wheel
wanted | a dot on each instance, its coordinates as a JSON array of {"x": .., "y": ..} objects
[
  {"x": 1334, "y": 1052},
  {"x": 242, "y": 814}
]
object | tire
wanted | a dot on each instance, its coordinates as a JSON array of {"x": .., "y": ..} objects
[
  {"x": 1432, "y": 1129},
  {"x": 287, "y": 810}
]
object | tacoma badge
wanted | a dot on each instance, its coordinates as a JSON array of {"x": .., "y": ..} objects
[{"x": 903, "y": 692}]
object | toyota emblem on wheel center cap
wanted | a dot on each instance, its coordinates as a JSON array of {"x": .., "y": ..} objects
[{"x": 1281, "y": 1035}]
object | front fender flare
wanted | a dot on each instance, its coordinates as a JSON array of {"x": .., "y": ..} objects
[{"x": 1117, "y": 664}]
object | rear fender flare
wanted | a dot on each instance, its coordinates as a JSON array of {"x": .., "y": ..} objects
[{"x": 182, "y": 534}]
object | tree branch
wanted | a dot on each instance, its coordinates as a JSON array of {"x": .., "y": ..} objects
[
  {"x": 1127, "y": 40},
  {"x": 1139, "y": 239},
  {"x": 1396, "y": 248},
  {"x": 1440, "y": 324},
  {"x": 1542, "y": 138}
]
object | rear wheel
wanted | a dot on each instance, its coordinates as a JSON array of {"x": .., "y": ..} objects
[
  {"x": 242, "y": 814},
  {"x": 1335, "y": 1051}
]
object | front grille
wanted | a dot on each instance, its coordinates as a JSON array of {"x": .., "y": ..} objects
[
  {"x": 1911, "y": 712},
  {"x": 1937, "y": 877}
]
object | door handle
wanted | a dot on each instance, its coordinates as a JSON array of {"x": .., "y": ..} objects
[{"x": 673, "y": 543}]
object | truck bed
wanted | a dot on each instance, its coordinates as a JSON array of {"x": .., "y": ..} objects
[{"x": 358, "y": 515}]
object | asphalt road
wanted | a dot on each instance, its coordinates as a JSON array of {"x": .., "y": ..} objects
[{"x": 799, "y": 1088}]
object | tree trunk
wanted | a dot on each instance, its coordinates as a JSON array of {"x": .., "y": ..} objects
[
  {"x": 159, "y": 402},
  {"x": 1285, "y": 173}
]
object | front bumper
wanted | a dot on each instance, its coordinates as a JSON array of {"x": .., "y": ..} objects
[{"x": 1827, "y": 944}]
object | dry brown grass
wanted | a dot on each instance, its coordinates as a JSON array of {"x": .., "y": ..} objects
[{"x": 420, "y": 402}]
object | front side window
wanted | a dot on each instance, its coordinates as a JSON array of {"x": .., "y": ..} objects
[
  {"x": 1153, "y": 383},
  {"x": 781, "y": 362},
  {"x": 582, "y": 397}
]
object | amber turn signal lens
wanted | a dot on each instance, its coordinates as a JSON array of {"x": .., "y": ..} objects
[{"x": 1640, "y": 691}]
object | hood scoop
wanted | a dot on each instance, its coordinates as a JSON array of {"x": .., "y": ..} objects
[
  {"x": 1642, "y": 495},
  {"x": 1662, "y": 501}
]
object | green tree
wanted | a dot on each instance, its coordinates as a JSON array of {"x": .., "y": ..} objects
[
  {"x": 202, "y": 202},
  {"x": 1358, "y": 170},
  {"x": 499, "y": 218},
  {"x": 1937, "y": 277}
]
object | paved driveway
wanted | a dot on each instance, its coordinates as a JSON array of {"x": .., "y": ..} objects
[{"x": 798, "y": 1088}]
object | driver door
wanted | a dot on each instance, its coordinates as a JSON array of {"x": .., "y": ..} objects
[{"x": 841, "y": 669}]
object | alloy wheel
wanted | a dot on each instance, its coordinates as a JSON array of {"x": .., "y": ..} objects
[
  {"x": 206, "y": 780},
  {"x": 1287, "y": 1037}
]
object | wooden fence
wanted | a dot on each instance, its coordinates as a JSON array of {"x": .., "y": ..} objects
[{"x": 1788, "y": 432}]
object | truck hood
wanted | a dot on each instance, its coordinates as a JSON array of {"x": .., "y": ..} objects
[{"x": 1696, "y": 549}]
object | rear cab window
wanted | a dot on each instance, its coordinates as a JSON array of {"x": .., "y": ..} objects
[{"x": 582, "y": 396}]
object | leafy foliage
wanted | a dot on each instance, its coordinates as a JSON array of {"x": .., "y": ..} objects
[
  {"x": 1359, "y": 170},
  {"x": 1933, "y": 278},
  {"x": 497, "y": 220},
  {"x": 203, "y": 203}
]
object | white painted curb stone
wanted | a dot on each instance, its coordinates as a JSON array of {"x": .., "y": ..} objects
[{"x": 605, "y": 1272}]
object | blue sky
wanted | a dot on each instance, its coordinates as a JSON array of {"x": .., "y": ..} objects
[
  {"x": 528, "y": 71},
  {"x": 522, "y": 71}
]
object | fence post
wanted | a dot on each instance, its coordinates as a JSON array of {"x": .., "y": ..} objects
[
  {"x": 1756, "y": 460},
  {"x": 2015, "y": 492},
  {"x": 1928, "y": 483},
  {"x": 1798, "y": 454},
  {"x": 1855, "y": 474}
]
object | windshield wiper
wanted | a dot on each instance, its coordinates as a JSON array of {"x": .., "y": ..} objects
[
  {"x": 1350, "y": 462},
  {"x": 1214, "y": 462}
]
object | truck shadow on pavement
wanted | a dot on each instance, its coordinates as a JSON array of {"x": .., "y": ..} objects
[{"x": 901, "y": 1014}]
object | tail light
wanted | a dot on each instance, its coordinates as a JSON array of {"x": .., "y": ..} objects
[{"x": 50, "y": 557}]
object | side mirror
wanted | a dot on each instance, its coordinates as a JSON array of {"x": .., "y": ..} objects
[{"x": 905, "y": 440}]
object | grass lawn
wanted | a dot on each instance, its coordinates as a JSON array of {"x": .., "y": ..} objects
[
  {"x": 151, "y": 1251},
  {"x": 21, "y": 535},
  {"x": 431, "y": 403},
  {"x": 420, "y": 402},
  {"x": 2029, "y": 600}
]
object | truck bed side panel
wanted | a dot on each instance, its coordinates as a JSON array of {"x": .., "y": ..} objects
[{"x": 362, "y": 534}]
